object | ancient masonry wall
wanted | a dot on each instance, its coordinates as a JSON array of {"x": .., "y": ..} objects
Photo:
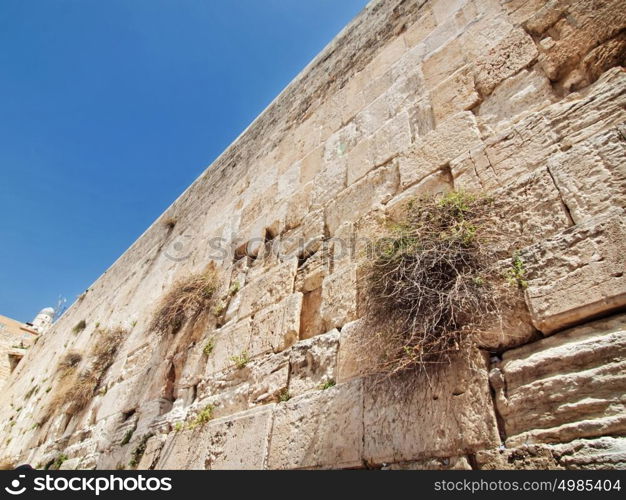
[{"x": 524, "y": 98}]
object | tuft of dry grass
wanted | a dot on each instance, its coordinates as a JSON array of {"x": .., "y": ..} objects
[
  {"x": 169, "y": 223},
  {"x": 186, "y": 299},
  {"x": 69, "y": 363},
  {"x": 433, "y": 282},
  {"x": 76, "y": 390},
  {"x": 79, "y": 327}
]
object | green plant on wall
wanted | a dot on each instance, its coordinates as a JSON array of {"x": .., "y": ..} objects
[
  {"x": 241, "y": 360},
  {"x": 79, "y": 327},
  {"x": 209, "y": 346},
  {"x": 516, "y": 274}
]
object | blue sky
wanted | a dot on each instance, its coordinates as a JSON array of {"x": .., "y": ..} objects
[{"x": 110, "y": 109}]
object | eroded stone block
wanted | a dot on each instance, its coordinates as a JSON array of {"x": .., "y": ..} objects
[
  {"x": 568, "y": 386},
  {"x": 577, "y": 274},
  {"x": 450, "y": 411},
  {"x": 322, "y": 429}
]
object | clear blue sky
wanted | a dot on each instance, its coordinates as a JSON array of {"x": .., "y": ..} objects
[{"x": 110, "y": 109}]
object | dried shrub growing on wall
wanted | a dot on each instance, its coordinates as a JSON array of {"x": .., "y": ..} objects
[
  {"x": 69, "y": 363},
  {"x": 434, "y": 281},
  {"x": 169, "y": 223},
  {"x": 74, "y": 393},
  {"x": 184, "y": 301},
  {"x": 79, "y": 327}
]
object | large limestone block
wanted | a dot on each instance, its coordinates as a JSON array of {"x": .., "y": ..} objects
[
  {"x": 448, "y": 413},
  {"x": 591, "y": 176},
  {"x": 529, "y": 210},
  {"x": 322, "y": 429},
  {"x": 568, "y": 386},
  {"x": 339, "y": 297},
  {"x": 229, "y": 341},
  {"x": 303, "y": 240},
  {"x": 435, "y": 184},
  {"x": 513, "y": 53},
  {"x": 392, "y": 138},
  {"x": 269, "y": 287},
  {"x": 332, "y": 178},
  {"x": 456, "y": 135},
  {"x": 517, "y": 96},
  {"x": 443, "y": 63},
  {"x": 272, "y": 330},
  {"x": 235, "y": 442},
  {"x": 577, "y": 274},
  {"x": 370, "y": 119},
  {"x": 360, "y": 160},
  {"x": 580, "y": 29},
  {"x": 531, "y": 141},
  {"x": 593, "y": 454},
  {"x": 355, "y": 357},
  {"x": 151, "y": 456},
  {"x": 236, "y": 389},
  {"x": 369, "y": 193},
  {"x": 313, "y": 362},
  {"x": 420, "y": 29},
  {"x": 277, "y": 327},
  {"x": 456, "y": 93}
]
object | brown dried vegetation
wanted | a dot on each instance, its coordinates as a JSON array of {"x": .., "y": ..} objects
[
  {"x": 184, "y": 301},
  {"x": 76, "y": 390},
  {"x": 434, "y": 281}
]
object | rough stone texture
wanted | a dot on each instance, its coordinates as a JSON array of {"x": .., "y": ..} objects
[
  {"x": 577, "y": 274},
  {"x": 457, "y": 135},
  {"x": 524, "y": 100},
  {"x": 237, "y": 442},
  {"x": 339, "y": 297},
  {"x": 458, "y": 414},
  {"x": 513, "y": 53},
  {"x": 322, "y": 429},
  {"x": 565, "y": 387},
  {"x": 313, "y": 363}
]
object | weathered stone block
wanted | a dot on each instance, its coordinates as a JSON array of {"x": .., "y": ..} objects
[
  {"x": 443, "y": 63},
  {"x": 518, "y": 95},
  {"x": 355, "y": 357},
  {"x": 277, "y": 327},
  {"x": 531, "y": 141},
  {"x": 229, "y": 341},
  {"x": 239, "y": 388},
  {"x": 375, "y": 189},
  {"x": 568, "y": 386},
  {"x": 339, "y": 297},
  {"x": 360, "y": 161},
  {"x": 591, "y": 176},
  {"x": 576, "y": 33},
  {"x": 513, "y": 53},
  {"x": 456, "y": 135},
  {"x": 421, "y": 28},
  {"x": 577, "y": 274},
  {"x": 322, "y": 429},
  {"x": 391, "y": 139},
  {"x": 456, "y": 93},
  {"x": 313, "y": 362},
  {"x": 436, "y": 417},
  {"x": 273, "y": 285},
  {"x": 236, "y": 442}
]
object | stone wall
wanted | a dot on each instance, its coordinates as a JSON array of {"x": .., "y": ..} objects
[{"x": 522, "y": 98}]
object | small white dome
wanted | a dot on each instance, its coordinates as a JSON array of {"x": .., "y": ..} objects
[{"x": 48, "y": 311}]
